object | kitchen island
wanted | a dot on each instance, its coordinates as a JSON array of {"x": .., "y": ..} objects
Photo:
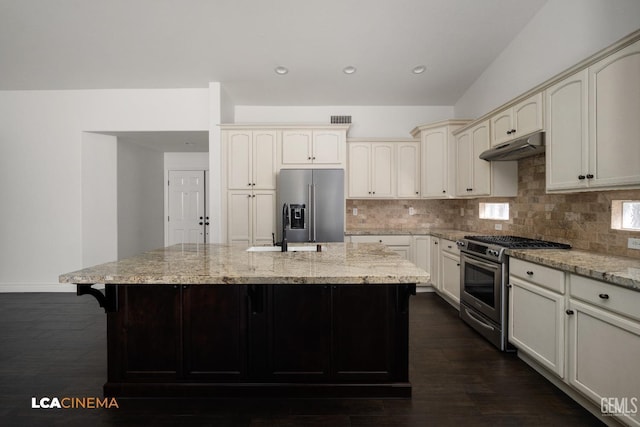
[{"x": 218, "y": 321}]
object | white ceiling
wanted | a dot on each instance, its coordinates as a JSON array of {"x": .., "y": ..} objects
[{"x": 71, "y": 44}]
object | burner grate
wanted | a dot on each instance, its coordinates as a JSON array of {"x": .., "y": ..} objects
[{"x": 515, "y": 242}]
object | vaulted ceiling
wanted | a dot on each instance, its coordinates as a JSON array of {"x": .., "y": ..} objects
[{"x": 97, "y": 44}]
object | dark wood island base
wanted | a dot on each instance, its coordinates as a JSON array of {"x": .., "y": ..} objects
[{"x": 267, "y": 340}]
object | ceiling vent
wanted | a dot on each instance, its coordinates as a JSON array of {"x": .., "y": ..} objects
[{"x": 340, "y": 119}]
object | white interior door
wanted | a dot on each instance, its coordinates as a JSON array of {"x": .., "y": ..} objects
[{"x": 187, "y": 213}]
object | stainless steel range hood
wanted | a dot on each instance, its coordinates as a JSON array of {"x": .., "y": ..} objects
[{"x": 528, "y": 145}]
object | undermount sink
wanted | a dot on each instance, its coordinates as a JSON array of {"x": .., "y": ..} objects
[{"x": 279, "y": 249}]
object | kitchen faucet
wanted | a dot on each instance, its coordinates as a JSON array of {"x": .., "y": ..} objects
[{"x": 285, "y": 220}]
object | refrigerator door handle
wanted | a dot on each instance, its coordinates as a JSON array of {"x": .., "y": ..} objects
[
  {"x": 313, "y": 204},
  {"x": 311, "y": 220}
]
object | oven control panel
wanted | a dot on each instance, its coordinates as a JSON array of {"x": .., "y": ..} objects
[{"x": 491, "y": 252}]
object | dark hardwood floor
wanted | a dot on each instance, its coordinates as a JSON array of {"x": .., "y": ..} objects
[{"x": 54, "y": 345}]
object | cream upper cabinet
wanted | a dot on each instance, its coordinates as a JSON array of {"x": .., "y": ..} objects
[
  {"x": 359, "y": 170},
  {"x": 383, "y": 169},
  {"x": 567, "y": 142},
  {"x": 593, "y": 127},
  {"x": 251, "y": 159},
  {"x": 518, "y": 120},
  {"x": 408, "y": 170},
  {"x": 321, "y": 147},
  {"x": 438, "y": 158},
  {"x": 372, "y": 170},
  {"x": 473, "y": 174},
  {"x": 477, "y": 177},
  {"x": 614, "y": 125}
]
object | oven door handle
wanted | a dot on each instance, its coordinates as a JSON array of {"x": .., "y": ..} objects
[
  {"x": 481, "y": 263},
  {"x": 479, "y": 321}
]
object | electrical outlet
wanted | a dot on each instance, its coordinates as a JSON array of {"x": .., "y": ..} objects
[
  {"x": 633, "y": 243},
  {"x": 498, "y": 226},
  {"x": 355, "y": 211},
  {"x": 412, "y": 211}
]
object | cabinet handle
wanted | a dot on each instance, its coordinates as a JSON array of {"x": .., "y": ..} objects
[
  {"x": 416, "y": 192},
  {"x": 374, "y": 192},
  {"x": 589, "y": 176},
  {"x": 201, "y": 223},
  {"x": 457, "y": 264},
  {"x": 449, "y": 246},
  {"x": 253, "y": 195},
  {"x": 249, "y": 185},
  {"x": 513, "y": 131},
  {"x": 603, "y": 296},
  {"x": 509, "y": 285},
  {"x": 508, "y": 132},
  {"x": 313, "y": 158},
  {"x": 444, "y": 191},
  {"x": 380, "y": 241},
  {"x": 435, "y": 243},
  {"x": 529, "y": 273},
  {"x": 570, "y": 312},
  {"x": 308, "y": 158},
  {"x": 581, "y": 177}
]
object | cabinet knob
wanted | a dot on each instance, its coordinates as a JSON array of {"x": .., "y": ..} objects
[
  {"x": 313, "y": 158},
  {"x": 570, "y": 312},
  {"x": 509, "y": 285},
  {"x": 308, "y": 158},
  {"x": 529, "y": 273},
  {"x": 380, "y": 241},
  {"x": 589, "y": 176},
  {"x": 200, "y": 223},
  {"x": 581, "y": 177},
  {"x": 444, "y": 191},
  {"x": 416, "y": 192},
  {"x": 374, "y": 192},
  {"x": 603, "y": 296},
  {"x": 249, "y": 185},
  {"x": 513, "y": 131}
]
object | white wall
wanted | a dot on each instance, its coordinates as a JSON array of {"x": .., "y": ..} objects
[
  {"x": 561, "y": 34},
  {"x": 367, "y": 121},
  {"x": 215, "y": 160},
  {"x": 140, "y": 199},
  {"x": 41, "y": 173}
]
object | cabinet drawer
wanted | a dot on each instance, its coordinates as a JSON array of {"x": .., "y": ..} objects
[
  {"x": 449, "y": 246},
  {"x": 386, "y": 240},
  {"x": 604, "y": 295},
  {"x": 546, "y": 277}
]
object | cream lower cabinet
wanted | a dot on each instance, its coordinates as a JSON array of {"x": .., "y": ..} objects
[
  {"x": 435, "y": 264},
  {"x": 422, "y": 255},
  {"x": 537, "y": 314},
  {"x": 449, "y": 273},
  {"x": 400, "y": 244},
  {"x": 251, "y": 217},
  {"x": 604, "y": 346}
]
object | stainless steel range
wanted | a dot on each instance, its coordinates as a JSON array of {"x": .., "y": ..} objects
[{"x": 484, "y": 274}]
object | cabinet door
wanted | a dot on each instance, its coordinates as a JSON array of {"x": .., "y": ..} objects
[
  {"x": 481, "y": 169},
  {"x": 382, "y": 170},
  {"x": 144, "y": 340},
  {"x": 327, "y": 147},
  {"x": 614, "y": 128},
  {"x": 408, "y": 170},
  {"x": 567, "y": 133},
  {"x": 296, "y": 147},
  {"x": 239, "y": 166},
  {"x": 264, "y": 160},
  {"x": 359, "y": 170},
  {"x": 298, "y": 325},
  {"x": 263, "y": 217},
  {"x": 527, "y": 116},
  {"x": 537, "y": 324},
  {"x": 435, "y": 264},
  {"x": 464, "y": 171},
  {"x": 450, "y": 276},
  {"x": 215, "y": 322},
  {"x": 603, "y": 349},
  {"x": 501, "y": 127},
  {"x": 365, "y": 340},
  {"x": 239, "y": 217},
  {"x": 435, "y": 164},
  {"x": 422, "y": 252}
]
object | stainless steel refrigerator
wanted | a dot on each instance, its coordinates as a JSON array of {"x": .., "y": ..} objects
[{"x": 315, "y": 198}]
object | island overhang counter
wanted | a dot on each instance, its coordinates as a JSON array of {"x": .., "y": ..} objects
[{"x": 216, "y": 320}]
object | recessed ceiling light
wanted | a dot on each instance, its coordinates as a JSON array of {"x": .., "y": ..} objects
[
  {"x": 349, "y": 70},
  {"x": 419, "y": 69},
  {"x": 281, "y": 70}
]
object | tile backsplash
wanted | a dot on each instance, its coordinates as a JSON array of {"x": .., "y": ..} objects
[{"x": 581, "y": 219}]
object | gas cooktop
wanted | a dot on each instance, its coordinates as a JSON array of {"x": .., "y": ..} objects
[{"x": 515, "y": 242}]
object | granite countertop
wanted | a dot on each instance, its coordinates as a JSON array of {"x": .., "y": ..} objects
[
  {"x": 443, "y": 233},
  {"x": 338, "y": 263},
  {"x": 619, "y": 271}
]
